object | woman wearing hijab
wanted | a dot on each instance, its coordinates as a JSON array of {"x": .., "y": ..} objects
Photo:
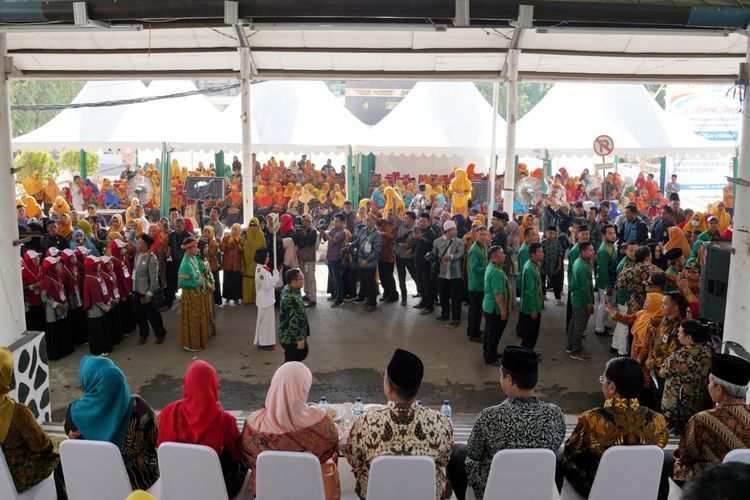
[
  {"x": 207, "y": 295},
  {"x": 642, "y": 324},
  {"x": 198, "y": 418},
  {"x": 212, "y": 260},
  {"x": 123, "y": 272},
  {"x": 28, "y": 450},
  {"x": 677, "y": 239},
  {"x": 108, "y": 412},
  {"x": 72, "y": 283},
  {"x": 31, "y": 275},
  {"x": 232, "y": 264},
  {"x": 657, "y": 256},
  {"x": 287, "y": 423},
  {"x": 64, "y": 225},
  {"x": 254, "y": 240},
  {"x": 57, "y": 329},
  {"x": 160, "y": 234},
  {"x": 194, "y": 320},
  {"x": 265, "y": 287},
  {"x": 113, "y": 317},
  {"x": 96, "y": 305},
  {"x": 81, "y": 240}
]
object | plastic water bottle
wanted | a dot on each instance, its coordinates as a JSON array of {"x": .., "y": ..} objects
[
  {"x": 323, "y": 405},
  {"x": 358, "y": 409},
  {"x": 446, "y": 410}
]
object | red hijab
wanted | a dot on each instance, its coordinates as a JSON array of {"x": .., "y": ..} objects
[
  {"x": 197, "y": 418},
  {"x": 287, "y": 223},
  {"x": 31, "y": 274},
  {"x": 94, "y": 290},
  {"x": 51, "y": 281},
  {"x": 70, "y": 272}
]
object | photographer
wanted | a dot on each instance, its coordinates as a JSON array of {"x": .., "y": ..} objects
[
  {"x": 335, "y": 238},
  {"x": 368, "y": 244},
  {"x": 306, "y": 239}
]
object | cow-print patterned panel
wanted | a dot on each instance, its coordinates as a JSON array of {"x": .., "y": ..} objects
[{"x": 30, "y": 384}]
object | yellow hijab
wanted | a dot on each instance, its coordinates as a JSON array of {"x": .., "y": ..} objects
[
  {"x": 643, "y": 321},
  {"x": 7, "y": 405}
]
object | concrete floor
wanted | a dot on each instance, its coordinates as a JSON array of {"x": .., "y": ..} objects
[{"x": 348, "y": 352}]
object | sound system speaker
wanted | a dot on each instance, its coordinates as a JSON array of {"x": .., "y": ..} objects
[
  {"x": 205, "y": 188},
  {"x": 715, "y": 281}
]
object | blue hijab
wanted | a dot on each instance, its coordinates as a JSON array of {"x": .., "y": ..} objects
[
  {"x": 86, "y": 243},
  {"x": 103, "y": 412}
]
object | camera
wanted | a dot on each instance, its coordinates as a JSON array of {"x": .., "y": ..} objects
[{"x": 350, "y": 249}]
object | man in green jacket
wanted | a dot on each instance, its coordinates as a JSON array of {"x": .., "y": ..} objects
[
  {"x": 582, "y": 299},
  {"x": 497, "y": 303},
  {"x": 477, "y": 264},
  {"x": 532, "y": 301},
  {"x": 606, "y": 274},
  {"x": 582, "y": 234},
  {"x": 529, "y": 236}
]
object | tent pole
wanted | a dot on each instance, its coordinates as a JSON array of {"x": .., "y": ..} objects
[
  {"x": 510, "y": 134},
  {"x": 247, "y": 166},
  {"x": 662, "y": 174},
  {"x": 11, "y": 308},
  {"x": 737, "y": 316},
  {"x": 493, "y": 154}
]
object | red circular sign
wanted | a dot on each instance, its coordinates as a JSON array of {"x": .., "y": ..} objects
[{"x": 604, "y": 145}]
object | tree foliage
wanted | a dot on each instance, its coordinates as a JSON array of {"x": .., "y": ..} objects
[
  {"x": 27, "y": 162},
  {"x": 529, "y": 94},
  {"x": 70, "y": 160},
  {"x": 39, "y": 92}
]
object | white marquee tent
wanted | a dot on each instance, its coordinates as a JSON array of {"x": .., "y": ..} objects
[
  {"x": 568, "y": 119},
  {"x": 88, "y": 128}
]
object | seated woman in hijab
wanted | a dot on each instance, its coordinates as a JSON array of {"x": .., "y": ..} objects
[
  {"x": 108, "y": 412},
  {"x": 81, "y": 240},
  {"x": 30, "y": 454},
  {"x": 287, "y": 423},
  {"x": 198, "y": 418}
]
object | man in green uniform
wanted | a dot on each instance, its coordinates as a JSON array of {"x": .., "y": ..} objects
[
  {"x": 532, "y": 302},
  {"x": 529, "y": 236},
  {"x": 475, "y": 270},
  {"x": 582, "y": 299},
  {"x": 496, "y": 305},
  {"x": 582, "y": 233},
  {"x": 606, "y": 274}
]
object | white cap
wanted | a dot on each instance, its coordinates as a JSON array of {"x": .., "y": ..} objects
[
  {"x": 120, "y": 243},
  {"x": 83, "y": 250},
  {"x": 105, "y": 258},
  {"x": 32, "y": 254},
  {"x": 52, "y": 251},
  {"x": 52, "y": 260},
  {"x": 68, "y": 252},
  {"x": 449, "y": 224}
]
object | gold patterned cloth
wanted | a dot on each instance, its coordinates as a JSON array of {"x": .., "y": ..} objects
[
  {"x": 399, "y": 429},
  {"x": 710, "y": 435},
  {"x": 195, "y": 326},
  {"x": 620, "y": 422}
]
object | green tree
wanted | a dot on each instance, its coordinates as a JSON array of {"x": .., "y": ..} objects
[
  {"x": 529, "y": 95},
  {"x": 40, "y": 161},
  {"x": 70, "y": 160},
  {"x": 39, "y": 92}
]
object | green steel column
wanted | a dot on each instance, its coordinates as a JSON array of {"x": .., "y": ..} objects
[
  {"x": 82, "y": 163},
  {"x": 515, "y": 170},
  {"x": 219, "y": 162},
  {"x": 546, "y": 172},
  {"x": 349, "y": 191},
  {"x": 663, "y": 174},
  {"x": 164, "y": 183}
]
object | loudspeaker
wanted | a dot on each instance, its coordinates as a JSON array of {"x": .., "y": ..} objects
[{"x": 715, "y": 281}]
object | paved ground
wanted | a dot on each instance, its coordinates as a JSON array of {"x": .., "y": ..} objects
[{"x": 348, "y": 352}]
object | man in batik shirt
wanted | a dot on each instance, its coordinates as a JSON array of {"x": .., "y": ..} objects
[
  {"x": 622, "y": 421},
  {"x": 711, "y": 434},
  {"x": 634, "y": 279},
  {"x": 674, "y": 309},
  {"x": 402, "y": 428}
]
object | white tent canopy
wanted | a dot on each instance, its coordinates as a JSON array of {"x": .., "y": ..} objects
[
  {"x": 87, "y": 128},
  {"x": 292, "y": 116},
  {"x": 568, "y": 119},
  {"x": 182, "y": 122},
  {"x": 437, "y": 119}
]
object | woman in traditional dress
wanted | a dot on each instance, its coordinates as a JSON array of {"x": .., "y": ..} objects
[
  {"x": 113, "y": 317},
  {"x": 96, "y": 305},
  {"x": 212, "y": 260},
  {"x": 123, "y": 271},
  {"x": 232, "y": 264},
  {"x": 287, "y": 423},
  {"x": 57, "y": 329},
  {"x": 31, "y": 275},
  {"x": 194, "y": 323},
  {"x": 28, "y": 450},
  {"x": 207, "y": 296},
  {"x": 72, "y": 283},
  {"x": 108, "y": 412},
  {"x": 265, "y": 285},
  {"x": 198, "y": 418},
  {"x": 254, "y": 240}
]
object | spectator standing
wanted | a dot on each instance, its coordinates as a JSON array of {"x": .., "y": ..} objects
[
  {"x": 497, "y": 303},
  {"x": 335, "y": 238},
  {"x": 293, "y": 325},
  {"x": 145, "y": 285},
  {"x": 448, "y": 250},
  {"x": 477, "y": 265},
  {"x": 368, "y": 250},
  {"x": 306, "y": 239},
  {"x": 425, "y": 237},
  {"x": 582, "y": 299},
  {"x": 404, "y": 248},
  {"x": 532, "y": 301}
]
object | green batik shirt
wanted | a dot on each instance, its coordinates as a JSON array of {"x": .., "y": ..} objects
[{"x": 293, "y": 325}]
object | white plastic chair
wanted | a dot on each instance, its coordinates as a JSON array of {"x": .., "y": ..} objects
[
  {"x": 624, "y": 473},
  {"x": 285, "y": 475},
  {"x": 738, "y": 455},
  {"x": 404, "y": 477},
  {"x": 204, "y": 479},
  {"x": 527, "y": 474},
  {"x": 94, "y": 470},
  {"x": 42, "y": 491}
]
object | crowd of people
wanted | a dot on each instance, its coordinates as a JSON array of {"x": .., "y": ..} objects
[{"x": 632, "y": 261}]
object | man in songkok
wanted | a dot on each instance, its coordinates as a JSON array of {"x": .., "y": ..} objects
[
  {"x": 711, "y": 434},
  {"x": 520, "y": 421},
  {"x": 404, "y": 427}
]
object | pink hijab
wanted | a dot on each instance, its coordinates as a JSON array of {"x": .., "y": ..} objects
[{"x": 286, "y": 402}]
